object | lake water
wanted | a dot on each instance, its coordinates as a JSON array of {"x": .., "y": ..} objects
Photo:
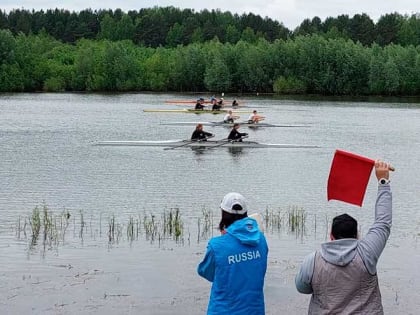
[{"x": 49, "y": 157}]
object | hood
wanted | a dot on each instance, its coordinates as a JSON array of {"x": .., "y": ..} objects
[
  {"x": 339, "y": 252},
  {"x": 246, "y": 231}
]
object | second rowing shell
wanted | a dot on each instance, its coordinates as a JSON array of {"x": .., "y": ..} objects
[
  {"x": 223, "y": 124},
  {"x": 194, "y": 111},
  {"x": 209, "y": 144}
]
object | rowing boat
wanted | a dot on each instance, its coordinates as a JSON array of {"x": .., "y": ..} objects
[
  {"x": 185, "y": 102},
  {"x": 209, "y": 144},
  {"x": 195, "y": 111},
  {"x": 194, "y": 102},
  {"x": 223, "y": 124}
]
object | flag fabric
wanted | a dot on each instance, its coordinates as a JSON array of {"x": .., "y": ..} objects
[{"x": 349, "y": 177}]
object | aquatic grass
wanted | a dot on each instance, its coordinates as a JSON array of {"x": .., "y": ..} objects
[
  {"x": 21, "y": 228},
  {"x": 291, "y": 220},
  {"x": 173, "y": 225},
  {"x": 204, "y": 225},
  {"x": 35, "y": 223},
  {"x": 297, "y": 221},
  {"x": 49, "y": 229},
  {"x": 273, "y": 219},
  {"x": 111, "y": 229},
  {"x": 133, "y": 229},
  {"x": 82, "y": 224},
  {"x": 64, "y": 221},
  {"x": 114, "y": 231},
  {"x": 150, "y": 227},
  {"x": 170, "y": 225}
]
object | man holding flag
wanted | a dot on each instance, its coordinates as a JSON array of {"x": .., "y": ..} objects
[{"x": 342, "y": 276}]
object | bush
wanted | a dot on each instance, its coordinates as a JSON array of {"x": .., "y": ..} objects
[
  {"x": 289, "y": 85},
  {"x": 54, "y": 84}
]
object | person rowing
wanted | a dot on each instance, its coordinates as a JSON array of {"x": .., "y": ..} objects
[
  {"x": 235, "y": 103},
  {"x": 235, "y": 135},
  {"x": 215, "y": 104},
  {"x": 200, "y": 135},
  {"x": 200, "y": 104},
  {"x": 254, "y": 118},
  {"x": 229, "y": 117}
]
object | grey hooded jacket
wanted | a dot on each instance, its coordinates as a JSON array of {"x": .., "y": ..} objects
[{"x": 341, "y": 276}]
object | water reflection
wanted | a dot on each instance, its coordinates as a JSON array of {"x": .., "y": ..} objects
[
  {"x": 198, "y": 150},
  {"x": 235, "y": 151}
]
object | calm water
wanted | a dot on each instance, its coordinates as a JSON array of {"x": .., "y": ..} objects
[{"x": 48, "y": 156}]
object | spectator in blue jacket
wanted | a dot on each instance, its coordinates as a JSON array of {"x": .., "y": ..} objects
[{"x": 236, "y": 262}]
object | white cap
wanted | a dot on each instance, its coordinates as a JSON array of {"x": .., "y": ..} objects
[{"x": 232, "y": 199}]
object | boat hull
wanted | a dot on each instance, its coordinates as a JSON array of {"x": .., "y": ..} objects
[
  {"x": 206, "y": 144},
  {"x": 223, "y": 124},
  {"x": 194, "y": 111},
  {"x": 194, "y": 102}
]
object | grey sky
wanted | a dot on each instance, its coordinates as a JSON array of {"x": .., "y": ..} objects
[{"x": 290, "y": 12}]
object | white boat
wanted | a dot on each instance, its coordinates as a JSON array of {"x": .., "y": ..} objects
[
  {"x": 196, "y": 111},
  {"x": 208, "y": 144},
  {"x": 223, "y": 124}
]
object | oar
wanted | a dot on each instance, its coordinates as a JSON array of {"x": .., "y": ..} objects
[
  {"x": 230, "y": 141},
  {"x": 218, "y": 145},
  {"x": 187, "y": 142}
]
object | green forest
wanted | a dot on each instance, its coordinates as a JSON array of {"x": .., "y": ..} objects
[{"x": 168, "y": 49}]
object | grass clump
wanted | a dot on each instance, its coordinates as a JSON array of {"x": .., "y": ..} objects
[{"x": 290, "y": 220}]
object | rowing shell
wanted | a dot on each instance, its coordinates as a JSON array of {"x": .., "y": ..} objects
[
  {"x": 223, "y": 124},
  {"x": 184, "y": 102},
  {"x": 194, "y": 111},
  {"x": 194, "y": 102},
  {"x": 209, "y": 144}
]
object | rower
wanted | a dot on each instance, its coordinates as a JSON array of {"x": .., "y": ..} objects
[
  {"x": 215, "y": 106},
  {"x": 235, "y": 135},
  {"x": 200, "y": 104},
  {"x": 235, "y": 103},
  {"x": 254, "y": 118},
  {"x": 229, "y": 117},
  {"x": 200, "y": 135}
]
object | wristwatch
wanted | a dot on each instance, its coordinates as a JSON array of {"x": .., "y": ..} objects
[{"x": 384, "y": 181}]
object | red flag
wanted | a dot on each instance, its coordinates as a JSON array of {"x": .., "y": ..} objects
[{"x": 349, "y": 177}]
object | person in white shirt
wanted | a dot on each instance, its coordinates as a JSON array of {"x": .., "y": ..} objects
[
  {"x": 229, "y": 117},
  {"x": 254, "y": 118}
]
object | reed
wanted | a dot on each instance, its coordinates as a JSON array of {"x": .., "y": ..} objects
[
  {"x": 21, "y": 227},
  {"x": 297, "y": 220},
  {"x": 133, "y": 226},
  {"x": 291, "y": 220},
  {"x": 64, "y": 221},
  {"x": 204, "y": 225},
  {"x": 175, "y": 224},
  {"x": 43, "y": 223},
  {"x": 82, "y": 225},
  {"x": 273, "y": 219},
  {"x": 35, "y": 223},
  {"x": 50, "y": 229},
  {"x": 150, "y": 227},
  {"x": 115, "y": 230},
  {"x": 50, "y": 233}
]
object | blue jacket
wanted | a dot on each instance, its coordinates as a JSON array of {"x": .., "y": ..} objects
[{"x": 236, "y": 263}]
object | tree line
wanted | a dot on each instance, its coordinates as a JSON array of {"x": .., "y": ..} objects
[
  {"x": 152, "y": 27},
  {"x": 169, "y": 26},
  {"x": 304, "y": 64}
]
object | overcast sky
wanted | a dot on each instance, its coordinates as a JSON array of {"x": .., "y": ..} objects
[{"x": 290, "y": 12}]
